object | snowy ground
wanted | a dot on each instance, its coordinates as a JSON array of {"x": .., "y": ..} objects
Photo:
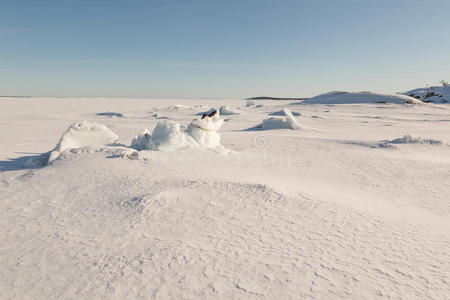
[{"x": 348, "y": 206}]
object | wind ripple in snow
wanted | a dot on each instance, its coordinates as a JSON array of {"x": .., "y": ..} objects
[
  {"x": 130, "y": 237},
  {"x": 406, "y": 139}
]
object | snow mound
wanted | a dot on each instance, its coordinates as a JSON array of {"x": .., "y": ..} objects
[
  {"x": 142, "y": 141},
  {"x": 435, "y": 94},
  {"x": 204, "y": 131},
  {"x": 178, "y": 106},
  {"x": 281, "y": 113},
  {"x": 250, "y": 103},
  {"x": 82, "y": 134},
  {"x": 339, "y": 97},
  {"x": 228, "y": 110},
  {"x": 289, "y": 122},
  {"x": 169, "y": 136},
  {"x": 274, "y": 123},
  {"x": 111, "y": 114}
]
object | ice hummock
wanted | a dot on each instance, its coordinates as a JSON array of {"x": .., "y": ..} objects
[
  {"x": 204, "y": 130},
  {"x": 288, "y": 122},
  {"x": 142, "y": 141},
  {"x": 171, "y": 136},
  {"x": 228, "y": 110},
  {"x": 82, "y": 134}
]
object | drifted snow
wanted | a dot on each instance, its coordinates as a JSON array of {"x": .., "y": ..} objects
[
  {"x": 339, "y": 97},
  {"x": 292, "y": 214},
  {"x": 81, "y": 134}
]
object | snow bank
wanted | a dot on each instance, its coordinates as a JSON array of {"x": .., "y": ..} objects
[
  {"x": 435, "y": 94},
  {"x": 228, "y": 110},
  {"x": 289, "y": 122},
  {"x": 81, "y": 134},
  {"x": 339, "y": 97}
]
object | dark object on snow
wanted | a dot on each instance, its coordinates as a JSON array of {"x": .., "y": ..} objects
[
  {"x": 274, "y": 98},
  {"x": 430, "y": 95},
  {"x": 212, "y": 114},
  {"x": 110, "y": 114}
]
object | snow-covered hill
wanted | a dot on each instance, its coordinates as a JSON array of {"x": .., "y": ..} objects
[
  {"x": 340, "y": 97},
  {"x": 436, "y": 94},
  {"x": 351, "y": 205}
]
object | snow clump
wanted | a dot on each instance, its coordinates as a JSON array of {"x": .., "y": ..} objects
[
  {"x": 228, "y": 110},
  {"x": 82, "y": 134},
  {"x": 171, "y": 136},
  {"x": 281, "y": 123}
]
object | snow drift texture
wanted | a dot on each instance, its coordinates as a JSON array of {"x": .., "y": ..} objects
[
  {"x": 435, "y": 94},
  {"x": 339, "y": 97},
  {"x": 82, "y": 134}
]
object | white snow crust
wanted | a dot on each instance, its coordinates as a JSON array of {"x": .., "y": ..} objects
[{"x": 354, "y": 205}]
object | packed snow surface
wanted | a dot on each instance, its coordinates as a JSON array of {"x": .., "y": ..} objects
[
  {"x": 316, "y": 213},
  {"x": 339, "y": 97},
  {"x": 436, "y": 94}
]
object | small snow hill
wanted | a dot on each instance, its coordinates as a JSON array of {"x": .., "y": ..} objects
[
  {"x": 434, "y": 94},
  {"x": 339, "y": 97}
]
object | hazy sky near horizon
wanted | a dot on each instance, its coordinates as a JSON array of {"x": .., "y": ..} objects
[{"x": 221, "y": 49}]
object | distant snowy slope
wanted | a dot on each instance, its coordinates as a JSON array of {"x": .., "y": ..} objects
[
  {"x": 340, "y": 97},
  {"x": 436, "y": 94}
]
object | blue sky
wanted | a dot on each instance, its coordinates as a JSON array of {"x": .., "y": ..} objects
[{"x": 221, "y": 49}]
